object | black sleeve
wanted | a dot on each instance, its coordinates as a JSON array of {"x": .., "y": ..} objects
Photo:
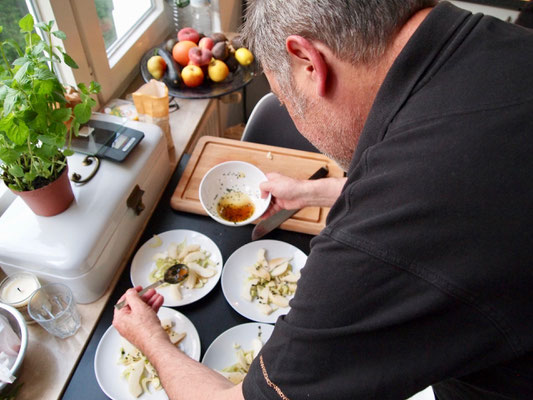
[{"x": 363, "y": 325}]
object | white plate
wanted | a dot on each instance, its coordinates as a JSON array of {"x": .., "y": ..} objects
[
  {"x": 222, "y": 353},
  {"x": 143, "y": 263},
  {"x": 109, "y": 373},
  {"x": 234, "y": 275}
]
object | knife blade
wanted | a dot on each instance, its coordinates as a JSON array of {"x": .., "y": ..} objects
[{"x": 269, "y": 224}]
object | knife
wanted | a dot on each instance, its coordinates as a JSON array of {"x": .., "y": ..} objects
[{"x": 269, "y": 224}]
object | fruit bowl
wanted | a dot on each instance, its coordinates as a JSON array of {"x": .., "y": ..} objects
[{"x": 235, "y": 80}]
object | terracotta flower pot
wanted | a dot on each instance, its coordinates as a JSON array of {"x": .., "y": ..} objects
[{"x": 51, "y": 199}]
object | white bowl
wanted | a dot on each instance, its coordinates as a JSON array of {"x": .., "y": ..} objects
[
  {"x": 16, "y": 320},
  {"x": 233, "y": 176}
]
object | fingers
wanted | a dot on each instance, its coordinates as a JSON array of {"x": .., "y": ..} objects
[
  {"x": 133, "y": 299},
  {"x": 156, "y": 302},
  {"x": 265, "y": 188}
]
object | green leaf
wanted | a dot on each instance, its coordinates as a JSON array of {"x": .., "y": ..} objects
[
  {"x": 3, "y": 93},
  {"x": 45, "y": 74},
  {"x": 17, "y": 131},
  {"x": 45, "y": 87},
  {"x": 69, "y": 61},
  {"x": 68, "y": 152},
  {"x": 10, "y": 101},
  {"x": 95, "y": 87},
  {"x": 26, "y": 23},
  {"x": 26, "y": 115},
  {"x": 82, "y": 112},
  {"x": 1, "y": 28},
  {"x": 21, "y": 73},
  {"x": 20, "y": 61},
  {"x": 38, "y": 49},
  {"x": 9, "y": 156},
  {"x": 16, "y": 170},
  {"x": 61, "y": 114},
  {"x": 60, "y": 35},
  {"x": 33, "y": 37}
]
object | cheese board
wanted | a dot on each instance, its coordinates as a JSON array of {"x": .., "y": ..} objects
[{"x": 210, "y": 151}]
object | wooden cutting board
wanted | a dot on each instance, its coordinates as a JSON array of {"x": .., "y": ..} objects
[{"x": 210, "y": 151}]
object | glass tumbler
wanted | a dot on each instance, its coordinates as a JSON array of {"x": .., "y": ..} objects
[{"x": 54, "y": 308}]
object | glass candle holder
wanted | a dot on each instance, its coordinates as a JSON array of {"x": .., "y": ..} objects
[{"x": 16, "y": 290}]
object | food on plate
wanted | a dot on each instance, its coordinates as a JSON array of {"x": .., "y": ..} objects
[
  {"x": 217, "y": 56},
  {"x": 206, "y": 43},
  {"x": 139, "y": 373},
  {"x": 218, "y": 37},
  {"x": 188, "y": 34},
  {"x": 220, "y": 51},
  {"x": 217, "y": 70},
  {"x": 192, "y": 75},
  {"x": 200, "y": 56},
  {"x": 157, "y": 66},
  {"x": 180, "y": 52},
  {"x": 244, "y": 56},
  {"x": 235, "y": 373},
  {"x": 198, "y": 260},
  {"x": 173, "y": 69},
  {"x": 169, "y": 44},
  {"x": 270, "y": 283},
  {"x": 156, "y": 242}
]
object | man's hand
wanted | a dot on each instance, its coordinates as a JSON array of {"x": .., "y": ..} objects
[
  {"x": 294, "y": 194},
  {"x": 137, "y": 321}
]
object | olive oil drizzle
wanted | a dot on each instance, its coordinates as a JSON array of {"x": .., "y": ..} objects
[{"x": 235, "y": 207}]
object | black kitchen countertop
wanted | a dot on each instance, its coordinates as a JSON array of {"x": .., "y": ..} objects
[{"x": 211, "y": 315}]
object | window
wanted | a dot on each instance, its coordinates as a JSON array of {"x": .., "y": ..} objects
[
  {"x": 107, "y": 38},
  {"x": 118, "y": 18},
  {"x": 12, "y": 12}
]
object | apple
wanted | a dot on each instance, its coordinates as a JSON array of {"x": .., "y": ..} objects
[
  {"x": 188, "y": 34},
  {"x": 217, "y": 70},
  {"x": 199, "y": 56},
  {"x": 192, "y": 75},
  {"x": 206, "y": 43},
  {"x": 157, "y": 66},
  {"x": 180, "y": 51}
]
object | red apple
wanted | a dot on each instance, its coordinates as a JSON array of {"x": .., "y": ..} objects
[
  {"x": 206, "y": 43},
  {"x": 192, "y": 75},
  {"x": 200, "y": 57},
  {"x": 188, "y": 34}
]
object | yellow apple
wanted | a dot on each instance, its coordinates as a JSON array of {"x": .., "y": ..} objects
[
  {"x": 192, "y": 75},
  {"x": 217, "y": 70}
]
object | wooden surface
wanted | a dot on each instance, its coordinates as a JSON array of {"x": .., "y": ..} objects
[{"x": 211, "y": 151}]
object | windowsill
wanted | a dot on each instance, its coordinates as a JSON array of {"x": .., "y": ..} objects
[{"x": 6, "y": 197}]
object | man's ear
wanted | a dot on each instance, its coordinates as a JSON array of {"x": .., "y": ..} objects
[{"x": 307, "y": 59}]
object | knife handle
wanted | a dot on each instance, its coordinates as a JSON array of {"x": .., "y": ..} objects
[{"x": 322, "y": 172}]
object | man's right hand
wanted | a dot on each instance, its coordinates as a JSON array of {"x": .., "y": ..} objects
[{"x": 293, "y": 194}]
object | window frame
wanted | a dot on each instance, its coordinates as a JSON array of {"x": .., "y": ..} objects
[{"x": 85, "y": 43}]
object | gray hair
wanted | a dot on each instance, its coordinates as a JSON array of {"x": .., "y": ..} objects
[{"x": 357, "y": 31}]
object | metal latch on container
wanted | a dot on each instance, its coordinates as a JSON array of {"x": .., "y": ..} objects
[{"x": 135, "y": 200}]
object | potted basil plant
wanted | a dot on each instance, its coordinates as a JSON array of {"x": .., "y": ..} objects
[{"x": 38, "y": 117}]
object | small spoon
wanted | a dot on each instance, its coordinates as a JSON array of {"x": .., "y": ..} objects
[{"x": 174, "y": 274}]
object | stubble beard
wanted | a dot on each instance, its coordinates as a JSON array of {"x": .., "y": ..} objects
[{"x": 332, "y": 136}]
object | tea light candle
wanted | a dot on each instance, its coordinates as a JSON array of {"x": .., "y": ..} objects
[{"x": 16, "y": 290}]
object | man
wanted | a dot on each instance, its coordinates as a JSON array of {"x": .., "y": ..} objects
[{"x": 422, "y": 275}]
